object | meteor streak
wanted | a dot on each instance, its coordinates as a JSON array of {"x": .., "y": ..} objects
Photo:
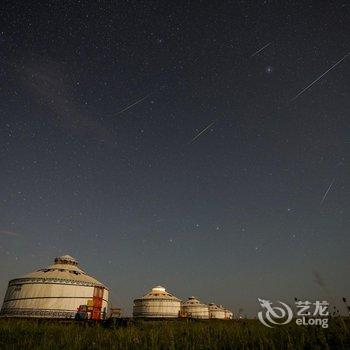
[
  {"x": 202, "y": 132},
  {"x": 325, "y": 195},
  {"x": 320, "y": 77},
  {"x": 9, "y": 233},
  {"x": 133, "y": 104},
  {"x": 263, "y": 48}
]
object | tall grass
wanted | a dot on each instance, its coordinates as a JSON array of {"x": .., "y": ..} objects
[{"x": 180, "y": 334}]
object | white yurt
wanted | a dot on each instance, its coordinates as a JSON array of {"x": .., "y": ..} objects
[
  {"x": 216, "y": 311},
  {"x": 57, "y": 291},
  {"x": 194, "y": 309},
  {"x": 158, "y": 303},
  {"x": 228, "y": 314}
]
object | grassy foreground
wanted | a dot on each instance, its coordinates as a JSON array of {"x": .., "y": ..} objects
[{"x": 181, "y": 334}]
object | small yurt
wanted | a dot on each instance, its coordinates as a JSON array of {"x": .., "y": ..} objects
[
  {"x": 194, "y": 309},
  {"x": 58, "y": 291},
  {"x": 228, "y": 314},
  {"x": 216, "y": 311},
  {"x": 158, "y": 303}
]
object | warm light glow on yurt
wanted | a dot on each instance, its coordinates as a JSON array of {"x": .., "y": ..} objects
[{"x": 57, "y": 291}]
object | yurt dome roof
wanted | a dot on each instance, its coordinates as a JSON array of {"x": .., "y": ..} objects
[
  {"x": 215, "y": 307},
  {"x": 192, "y": 301},
  {"x": 159, "y": 292},
  {"x": 66, "y": 259},
  {"x": 64, "y": 268}
]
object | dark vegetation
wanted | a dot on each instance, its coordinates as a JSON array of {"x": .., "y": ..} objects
[{"x": 178, "y": 334}]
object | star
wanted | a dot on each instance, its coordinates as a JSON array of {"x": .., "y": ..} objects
[{"x": 269, "y": 69}]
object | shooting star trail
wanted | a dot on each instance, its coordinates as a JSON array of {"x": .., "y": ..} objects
[
  {"x": 9, "y": 233},
  {"x": 320, "y": 77},
  {"x": 202, "y": 132},
  {"x": 325, "y": 195},
  {"x": 263, "y": 48},
  {"x": 133, "y": 104}
]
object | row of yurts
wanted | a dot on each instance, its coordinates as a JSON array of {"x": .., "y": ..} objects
[{"x": 63, "y": 289}]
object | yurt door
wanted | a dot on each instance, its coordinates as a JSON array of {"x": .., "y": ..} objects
[{"x": 97, "y": 303}]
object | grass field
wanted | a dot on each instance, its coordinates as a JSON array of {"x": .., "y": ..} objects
[{"x": 180, "y": 334}]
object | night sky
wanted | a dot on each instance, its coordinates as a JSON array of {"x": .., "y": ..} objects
[{"x": 167, "y": 144}]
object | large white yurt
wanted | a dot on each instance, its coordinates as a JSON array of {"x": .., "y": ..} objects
[
  {"x": 158, "y": 303},
  {"x": 216, "y": 311},
  {"x": 194, "y": 309},
  {"x": 57, "y": 291}
]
